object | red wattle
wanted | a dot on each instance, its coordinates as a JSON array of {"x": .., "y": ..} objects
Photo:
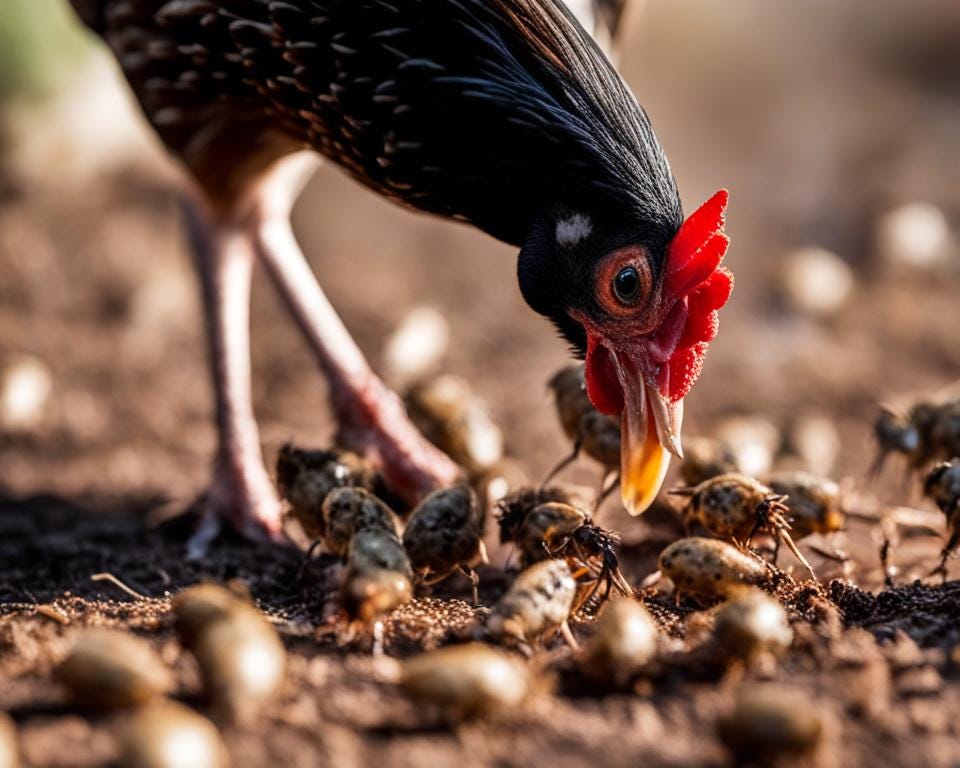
[
  {"x": 603, "y": 385},
  {"x": 694, "y": 274}
]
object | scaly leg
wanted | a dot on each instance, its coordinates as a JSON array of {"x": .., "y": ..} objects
[
  {"x": 372, "y": 419},
  {"x": 241, "y": 491}
]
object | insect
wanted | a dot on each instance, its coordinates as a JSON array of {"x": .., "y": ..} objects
[
  {"x": 710, "y": 567},
  {"x": 346, "y": 511},
  {"x": 537, "y": 603},
  {"x": 467, "y": 680},
  {"x": 556, "y": 529},
  {"x": 224, "y": 633},
  {"x": 704, "y": 458},
  {"x": 752, "y": 623},
  {"x": 943, "y": 486},
  {"x": 306, "y": 477},
  {"x": 815, "y": 503},
  {"x": 624, "y": 642},
  {"x": 378, "y": 578},
  {"x": 927, "y": 432},
  {"x": 445, "y": 534},
  {"x": 736, "y": 507},
  {"x": 592, "y": 432},
  {"x": 512, "y": 509}
]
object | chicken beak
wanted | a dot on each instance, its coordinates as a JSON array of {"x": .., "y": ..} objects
[{"x": 649, "y": 433}]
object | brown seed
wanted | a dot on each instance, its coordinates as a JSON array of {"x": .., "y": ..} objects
[
  {"x": 539, "y": 601},
  {"x": 453, "y": 418},
  {"x": 771, "y": 721},
  {"x": 240, "y": 655},
  {"x": 468, "y": 680},
  {"x": 107, "y": 669},
  {"x": 625, "y": 642},
  {"x": 710, "y": 568},
  {"x": 752, "y": 623},
  {"x": 169, "y": 735}
]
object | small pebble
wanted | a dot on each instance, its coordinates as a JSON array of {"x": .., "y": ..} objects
[
  {"x": 753, "y": 441},
  {"x": 25, "y": 388},
  {"x": 914, "y": 235},
  {"x": 769, "y": 722},
  {"x": 416, "y": 345},
  {"x": 624, "y": 643},
  {"x": 752, "y": 623}
]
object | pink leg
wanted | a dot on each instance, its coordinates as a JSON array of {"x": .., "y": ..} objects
[
  {"x": 372, "y": 419},
  {"x": 241, "y": 491}
]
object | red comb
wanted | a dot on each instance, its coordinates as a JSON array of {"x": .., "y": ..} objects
[{"x": 694, "y": 274}]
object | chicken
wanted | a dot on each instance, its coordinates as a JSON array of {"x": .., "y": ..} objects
[{"x": 503, "y": 114}]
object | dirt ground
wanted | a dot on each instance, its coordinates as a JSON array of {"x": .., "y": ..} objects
[{"x": 96, "y": 286}]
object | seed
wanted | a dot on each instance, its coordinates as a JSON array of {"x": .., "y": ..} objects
[
  {"x": 752, "y": 623},
  {"x": 709, "y": 567},
  {"x": 241, "y": 658},
  {"x": 625, "y": 641},
  {"x": 107, "y": 669},
  {"x": 469, "y": 679},
  {"x": 168, "y": 735},
  {"x": 539, "y": 601},
  {"x": 771, "y": 721}
]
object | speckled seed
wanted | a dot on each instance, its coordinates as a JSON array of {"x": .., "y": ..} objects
[
  {"x": 379, "y": 576},
  {"x": 814, "y": 502},
  {"x": 710, "y": 567},
  {"x": 625, "y": 641},
  {"x": 9, "y": 753},
  {"x": 169, "y": 735},
  {"x": 751, "y": 623},
  {"x": 240, "y": 655},
  {"x": 703, "y": 458},
  {"x": 538, "y": 601},
  {"x": 470, "y": 679},
  {"x": 349, "y": 510},
  {"x": 107, "y": 669},
  {"x": 771, "y": 721}
]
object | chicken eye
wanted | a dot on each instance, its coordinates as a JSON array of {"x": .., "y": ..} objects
[{"x": 627, "y": 285}]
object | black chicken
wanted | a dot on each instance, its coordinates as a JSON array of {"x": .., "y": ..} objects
[{"x": 501, "y": 113}]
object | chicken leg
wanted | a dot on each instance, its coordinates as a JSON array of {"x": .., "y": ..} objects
[{"x": 371, "y": 419}]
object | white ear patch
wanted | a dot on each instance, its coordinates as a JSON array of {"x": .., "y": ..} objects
[{"x": 573, "y": 229}]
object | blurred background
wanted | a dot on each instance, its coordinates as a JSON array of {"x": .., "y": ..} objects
[{"x": 836, "y": 127}]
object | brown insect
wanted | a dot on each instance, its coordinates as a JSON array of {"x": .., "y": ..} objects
[
  {"x": 445, "y": 535},
  {"x": 591, "y": 432},
  {"x": 379, "y": 577},
  {"x": 347, "y": 511},
  {"x": 815, "y": 503},
  {"x": 306, "y": 478},
  {"x": 927, "y": 432},
  {"x": 736, "y": 507},
  {"x": 545, "y": 523},
  {"x": 704, "y": 458},
  {"x": 943, "y": 486}
]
